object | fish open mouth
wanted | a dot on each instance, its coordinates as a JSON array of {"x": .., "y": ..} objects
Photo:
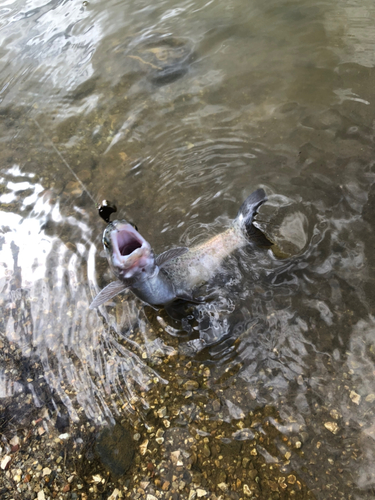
[{"x": 127, "y": 242}]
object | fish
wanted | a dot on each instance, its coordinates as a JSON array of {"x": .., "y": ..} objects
[{"x": 159, "y": 280}]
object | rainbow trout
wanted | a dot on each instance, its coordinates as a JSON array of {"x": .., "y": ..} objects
[{"x": 172, "y": 275}]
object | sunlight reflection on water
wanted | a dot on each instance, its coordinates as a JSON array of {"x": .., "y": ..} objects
[{"x": 45, "y": 309}]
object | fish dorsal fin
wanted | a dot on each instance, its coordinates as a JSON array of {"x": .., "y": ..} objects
[
  {"x": 109, "y": 292},
  {"x": 165, "y": 257}
]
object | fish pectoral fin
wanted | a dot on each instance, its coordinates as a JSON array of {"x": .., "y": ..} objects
[
  {"x": 108, "y": 293},
  {"x": 165, "y": 257}
]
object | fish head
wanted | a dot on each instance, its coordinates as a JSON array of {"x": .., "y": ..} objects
[{"x": 128, "y": 253}]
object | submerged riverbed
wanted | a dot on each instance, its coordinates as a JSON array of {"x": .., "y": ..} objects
[{"x": 177, "y": 112}]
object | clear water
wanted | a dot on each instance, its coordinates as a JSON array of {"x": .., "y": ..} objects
[{"x": 178, "y": 111}]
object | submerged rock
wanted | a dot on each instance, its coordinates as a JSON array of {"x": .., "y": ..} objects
[
  {"x": 164, "y": 58},
  {"x": 115, "y": 449},
  {"x": 286, "y": 224}
]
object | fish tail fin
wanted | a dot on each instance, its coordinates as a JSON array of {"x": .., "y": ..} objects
[{"x": 245, "y": 218}]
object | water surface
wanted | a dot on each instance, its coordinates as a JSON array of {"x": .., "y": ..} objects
[{"x": 177, "y": 112}]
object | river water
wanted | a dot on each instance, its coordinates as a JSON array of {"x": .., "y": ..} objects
[{"x": 177, "y": 111}]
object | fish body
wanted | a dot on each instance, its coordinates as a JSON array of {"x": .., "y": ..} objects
[
  {"x": 160, "y": 280},
  {"x": 200, "y": 263},
  {"x": 155, "y": 290}
]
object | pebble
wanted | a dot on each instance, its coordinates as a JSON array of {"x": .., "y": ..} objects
[
  {"x": 216, "y": 405},
  {"x": 166, "y": 485},
  {"x": 282, "y": 483},
  {"x": 191, "y": 385},
  {"x": 206, "y": 451},
  {"x": 201, "y": 493},
  {"x": 143, "y": 447},
  {"x": 223, "y": 486},
  {"x": 356, "y": 398},
  {"x": 46, "y": 471},
  {"x": 222, "y": 477},
  {"x": 334, "y": 414},
  {"x": 162, "y": 412},
  {"x": 123, "y": 155},
  {"x": 74, "y": 188},
  {"x": 182, "y": 485},
  {"x": 246, "y": 490},
  {"x": 5, "y": 462},
  {"x": 332, "y": 426},
  {"x": 13, "y": 449},
  {"x": 41, "y": 495},
  {"x": 71, "y": 246},
  {"x": 115, "y": 494},
  {"x": 14, "y": 441},
  {"x": 175, "y": 455}
]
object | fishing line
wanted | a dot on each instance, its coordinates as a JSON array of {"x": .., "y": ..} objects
[{"x": 64, "y": 161}]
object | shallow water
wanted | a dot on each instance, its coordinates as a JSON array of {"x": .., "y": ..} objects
[{"x": 177, "y": 112}]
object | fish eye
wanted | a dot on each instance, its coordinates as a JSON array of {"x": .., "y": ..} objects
[
  {"x": 132, "y": 224},
  {"x": 105, "y": 243}
]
